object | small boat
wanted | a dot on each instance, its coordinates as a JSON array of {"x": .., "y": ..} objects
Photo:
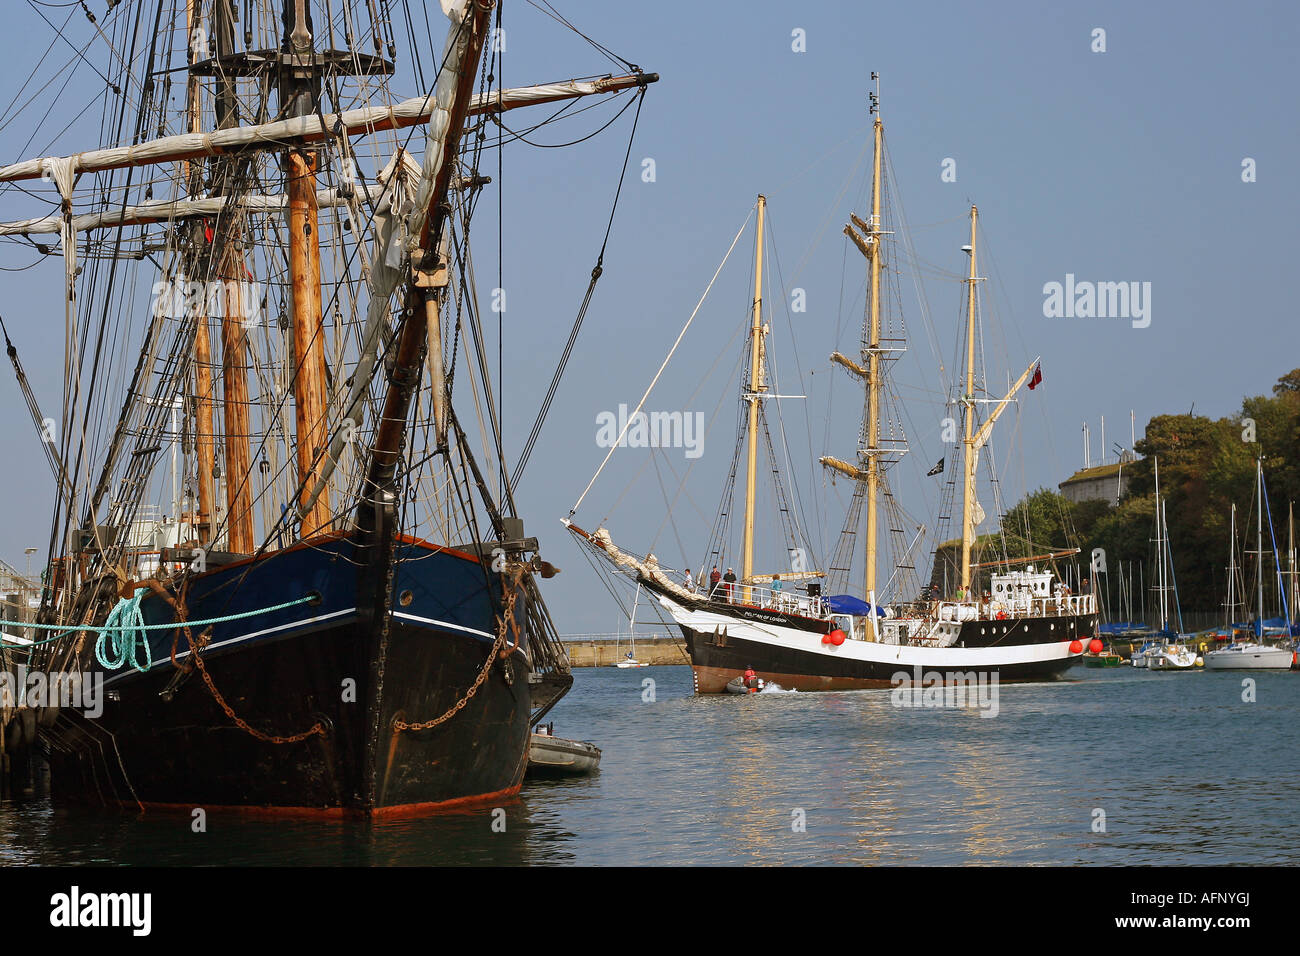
[
  {"x": 551, "y": 756},
  {"x": 1172, "y": 657},
  {"x": 1143, "y": 654},
  {"x": 1102, "y": 660},
  {"x": 1251, "y": 654},
  {"x": 737, "y": 685},
  {"x": 629, "y": 661},
  {"x": 1248, "y": 655}
]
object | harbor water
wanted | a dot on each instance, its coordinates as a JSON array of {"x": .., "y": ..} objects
[{"x": 1112, "y": 767}]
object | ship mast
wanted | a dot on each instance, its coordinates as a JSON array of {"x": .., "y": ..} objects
[
  {"x": 968, "y": 417},
  {"x": 237, "y": 460},
  {"x": 873, "y": 349},
  {"x": 753, "y": 396},
  {"x": 204, "y": 432},
  {"x": 298, "y": 93}
]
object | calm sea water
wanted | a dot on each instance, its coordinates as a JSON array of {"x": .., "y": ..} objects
[{"x": 1185, "y": 771}]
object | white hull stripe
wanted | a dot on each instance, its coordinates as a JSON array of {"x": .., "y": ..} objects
[
  {"x": 240, "y": 639},
  {"x": 507, "y": 648}
]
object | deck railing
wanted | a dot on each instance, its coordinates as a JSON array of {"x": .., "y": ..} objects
[{"x": 751, "y": 595}]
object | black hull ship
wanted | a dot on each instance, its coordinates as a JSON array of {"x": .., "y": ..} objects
[
  {"x": 313, "y": 683},
  {"x": 1022, "y": 625},
  {"x": 802, "y": 643},
  {"x": 340, "y": 613}
]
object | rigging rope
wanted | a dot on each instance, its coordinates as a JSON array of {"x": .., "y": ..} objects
[
  {"x": 596, "y": 273},
  {"x": 654, "y": 381}
]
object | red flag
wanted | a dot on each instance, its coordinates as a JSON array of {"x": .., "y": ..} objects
[{"x": 1037, "y": 377}]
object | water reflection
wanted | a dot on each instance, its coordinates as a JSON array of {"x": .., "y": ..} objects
[{"x": 1185, "y": 771}]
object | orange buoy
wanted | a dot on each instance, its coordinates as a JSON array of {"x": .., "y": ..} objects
[
  {"x": 1076, "y": 647},
  {"x": 1096, "y": 646},
  {"x": 836, "y": 637}
]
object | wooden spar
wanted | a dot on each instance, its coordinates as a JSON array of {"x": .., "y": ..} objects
[
  {"x": 237, "y": 460},
  {"x": 391, "y": 430},
  {"x": 433, "y": 354},
  {"x": 308, "y": 333},
  {"x": 235, "y": 405},
  {"x": 1007, "y": 562},
  {"x": 873, "y": 366},
  {"x": 204, "y": 430},
  {"x": 310, "y": 129},
  {"x": 968, "y": 417},
  {"x": 752, "y": 399}
]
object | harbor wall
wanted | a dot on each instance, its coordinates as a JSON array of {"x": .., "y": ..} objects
[{"x": 604, "y": 652}]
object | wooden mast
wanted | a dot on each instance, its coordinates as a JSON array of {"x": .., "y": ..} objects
[
  {"x": 873, "y": 356},
  {"x": 304, "y": 267},
  {"x": 752, "y": 397},
  {"x": 234, "y": 361},
  {"x": 204, "y": 432},
  {"x": 968, "y": 417}
]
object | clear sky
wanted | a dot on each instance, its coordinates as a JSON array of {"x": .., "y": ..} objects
[{"x": 1123, "y": 165}]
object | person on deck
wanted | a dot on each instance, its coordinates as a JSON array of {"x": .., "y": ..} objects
[
  {"x": 776, "y": 589},
  {"x": 729, "y": 585},
  {"x": 690, "y": 581},
  {"x": 715, "y": 577}
]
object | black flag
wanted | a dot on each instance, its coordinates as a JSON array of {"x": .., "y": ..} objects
[{"x": 937, "y": 469}]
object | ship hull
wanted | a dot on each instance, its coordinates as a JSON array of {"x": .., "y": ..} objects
[
  {"x": 165, "y": 740},
  {"x": 798, "y": 660}
]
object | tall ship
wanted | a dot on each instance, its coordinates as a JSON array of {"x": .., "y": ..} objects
[
  {"x": 1024, "y": 624},
  {"x": 304, "y": 586}
]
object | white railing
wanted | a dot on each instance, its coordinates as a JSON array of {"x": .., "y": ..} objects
[
  {"x": 751, "y": 595},
  {"x": 1058, "y": 606}
]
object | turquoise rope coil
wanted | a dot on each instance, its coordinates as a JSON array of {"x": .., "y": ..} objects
[
  {"x": 125, "y": 630},
  {"x": 122, "y": 635}
]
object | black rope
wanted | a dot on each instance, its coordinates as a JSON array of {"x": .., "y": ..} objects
[{"x": 596, "y": 273}]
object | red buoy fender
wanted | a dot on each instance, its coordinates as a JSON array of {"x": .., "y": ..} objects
[
  {"x": 836, "y": 637},
  {"x": 1096, "y": 646},
  {"x": 1076, "y": 647}
]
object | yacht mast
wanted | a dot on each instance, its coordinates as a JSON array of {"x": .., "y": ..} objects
[
  {"x": 754, "y": 395},
  {"x": 1232, "y": 568},
  {"x": 1160, "y": 550},
  {"x": 968, "y": 417},
  {"x": 1259, "y": 542}
]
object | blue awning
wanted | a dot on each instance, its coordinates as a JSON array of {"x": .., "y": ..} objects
[{"x": 848, "y": 604}]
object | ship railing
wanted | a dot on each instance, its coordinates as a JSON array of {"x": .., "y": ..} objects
[
  {"x": 1067, "y": 605},
  {"x": 751, "y": 595},
  {"x": 1056, "y": 606}
]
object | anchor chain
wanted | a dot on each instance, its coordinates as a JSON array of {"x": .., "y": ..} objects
[
  {"x": 505, "y": 624},
  {"x": 196, "y": 647}
]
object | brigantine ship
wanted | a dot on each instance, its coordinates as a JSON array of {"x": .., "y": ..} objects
[
  {"x": 1025, "y": 626},
  {"x": 339, "y": 611}
]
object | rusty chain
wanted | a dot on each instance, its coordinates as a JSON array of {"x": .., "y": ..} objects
[
  {"x": 505, "y": 623},
  {"x": 196, "y": 647}
]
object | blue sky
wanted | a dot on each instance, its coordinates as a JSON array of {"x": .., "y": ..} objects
[{"x": 1115, "y": 166}]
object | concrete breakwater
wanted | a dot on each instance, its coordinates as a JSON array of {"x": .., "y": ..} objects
[{"x": 604, "y": 652}]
